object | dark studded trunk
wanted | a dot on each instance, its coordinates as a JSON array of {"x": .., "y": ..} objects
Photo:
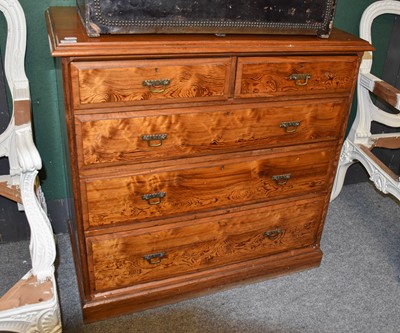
[{"x": 309, "y": 17}]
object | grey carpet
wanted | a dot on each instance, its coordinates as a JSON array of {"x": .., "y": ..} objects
[{"x": 356, "y": 288}]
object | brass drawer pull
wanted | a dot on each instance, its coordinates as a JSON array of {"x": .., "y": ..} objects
[
  {"x": 154, "y": 140},
  {"x": 154, "y": 198},
  {"x": 290, "y": 126},
  {"x": 157, "y": 86},
  {"x": 301, "y": 79},
  {"x": 273, "y": 234},
  {"x": 154, "y": 258},
  {"x": 281, "y": 179}
]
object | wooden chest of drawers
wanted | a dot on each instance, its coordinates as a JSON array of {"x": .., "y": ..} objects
[{"x": 198, "y": 162}]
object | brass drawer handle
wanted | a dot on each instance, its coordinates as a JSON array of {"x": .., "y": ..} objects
[
  {"x": 301, "y": 79},
  {"x": 290, "y": 126},
  {"x": 154, "y": 258},
  {"x": 154, "y": 198},
  {"x": 273, "y": 234},
  {"x": 281, "y": 179},
  {"x": 154, "y": 140},
  {"x": 157, "y": 86}
]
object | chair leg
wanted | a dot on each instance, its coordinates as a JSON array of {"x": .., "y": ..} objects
[
  {"x": 339, "y": 180},
  {"x": 383, "y": 178},
  {"x": 31, "y": 305},
  {"x": 346, "y": 159},
  {"x": 42, "y": 244}
]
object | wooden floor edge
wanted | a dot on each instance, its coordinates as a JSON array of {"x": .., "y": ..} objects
[{"x": 227, "y": 277}]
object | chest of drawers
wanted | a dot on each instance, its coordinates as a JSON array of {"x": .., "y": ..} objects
[{"x": 197, "y": 162}]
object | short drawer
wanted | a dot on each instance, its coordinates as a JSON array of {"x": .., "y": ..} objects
[
  {"x": 129, "y": 82},
  {"x": 125, "y": 259},
  {"x": 223, "y": 183},
  {"x": 290, "y": 76},
  {"x": 132, "y": 137}
]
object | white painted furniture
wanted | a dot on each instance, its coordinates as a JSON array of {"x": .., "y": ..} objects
[
  {"x": 31, "y": 305},
  {"x": 360, "y": 142}
]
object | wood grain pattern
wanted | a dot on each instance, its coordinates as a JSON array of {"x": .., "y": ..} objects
[
  {"x": 387, "y": 93},
  {"x": 222, "y": 184},
  {"x": 118, "y": 260},
  {"x": 270, "y": 76},
  {"x": 121, "y": 82},
  {"x": 216, "y": 165},
  {"x": 202, "y": 131},
  {"x": 11, "y": 192}
]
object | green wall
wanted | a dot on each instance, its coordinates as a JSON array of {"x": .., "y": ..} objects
[{"x": 40, "y": 68}]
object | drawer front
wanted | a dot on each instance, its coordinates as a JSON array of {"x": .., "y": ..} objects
[
  {"x": 290, "y": 76},
  {"x": 124, "y": 259},
  {"x": 185, "y": 133},
  {"x": 222, "y": 184},
  {"x": 108, "y": 83}
]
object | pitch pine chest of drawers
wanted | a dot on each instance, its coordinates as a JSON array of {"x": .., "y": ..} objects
[{"x": 197, "y": 162}]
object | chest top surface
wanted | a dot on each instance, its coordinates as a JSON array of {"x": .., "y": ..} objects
[{"x": 68, "y": 38}]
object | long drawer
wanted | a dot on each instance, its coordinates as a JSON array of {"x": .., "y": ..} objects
[
  {"x": 127, "y": 82},
  {"x": 177, "y": 133},
  {"x": 291, "y": 76},
  {"x": 124, "y": 259},
  {"x": 251, "y": 178}
]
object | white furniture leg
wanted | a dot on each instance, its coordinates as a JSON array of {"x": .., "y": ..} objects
[{"x": 31, "y": 305}]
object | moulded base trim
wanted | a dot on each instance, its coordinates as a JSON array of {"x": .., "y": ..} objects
[{"x": 171, "y": 290}]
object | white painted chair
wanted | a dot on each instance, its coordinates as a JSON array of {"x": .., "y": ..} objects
[
  {"x": 360, "y": 142},
  {"x": 31, "y": 305}
]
